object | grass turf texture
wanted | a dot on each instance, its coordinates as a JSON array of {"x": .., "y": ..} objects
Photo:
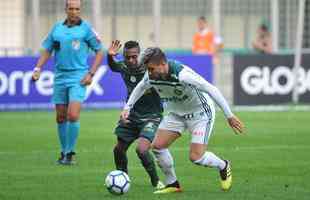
[{"x": 270, "y": 162}]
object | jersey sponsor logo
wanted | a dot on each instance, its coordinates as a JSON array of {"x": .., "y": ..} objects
[
  {"x": 199, "y": 133},
  {"x": 255, "y": 80},
  {"x": 167, "y": 83},
  {"x": 174, "y": 99}
]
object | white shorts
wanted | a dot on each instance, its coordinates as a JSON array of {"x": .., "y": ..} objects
[{"x": 199, "y": 124}]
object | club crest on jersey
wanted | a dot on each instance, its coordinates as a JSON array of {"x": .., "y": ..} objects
[
  {"x": 178, "y": 90},
  {"x": 133, "y": 79},
  {"x": 76, "y": 44}
]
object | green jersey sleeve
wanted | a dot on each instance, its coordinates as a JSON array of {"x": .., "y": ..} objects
[{"x": 116, "y": 66}]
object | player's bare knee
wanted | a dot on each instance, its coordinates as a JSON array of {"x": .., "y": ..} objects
[
  {"x": 142, "y": 149},
  {"x": 73, "y": 116},
  {"x": 194, "y": 156},
  {"x": 157, "y": 146}
]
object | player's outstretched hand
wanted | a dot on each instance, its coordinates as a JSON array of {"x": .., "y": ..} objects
[
  {"x": 124, "y": 116},
  {"x": 115, "y": 46},
  {"x": 236, "y": 124}
]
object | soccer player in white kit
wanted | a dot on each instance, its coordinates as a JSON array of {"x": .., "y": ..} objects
[{"x": 188, "y": 102}]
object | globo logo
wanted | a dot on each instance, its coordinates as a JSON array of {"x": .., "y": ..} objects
[{"x": 256, "y": 80}]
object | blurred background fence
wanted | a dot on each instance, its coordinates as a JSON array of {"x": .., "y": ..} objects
[{"x": 169, "y": 24}]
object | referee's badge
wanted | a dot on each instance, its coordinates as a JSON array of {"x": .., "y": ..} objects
[
  {"x": 76, "y": 44},
  {"x": 133, "y": 79}
]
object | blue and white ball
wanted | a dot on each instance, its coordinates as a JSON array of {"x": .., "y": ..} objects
[{"x": 117, "y": 182}]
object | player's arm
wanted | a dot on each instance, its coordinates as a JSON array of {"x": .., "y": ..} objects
[
  {"x": 93, "y": 41},
  {"x": 49, "y": 44},
  {"x": 45, "y": 55},
  {"x": 138, "y": 92},
  {"x": 97, "y": 62},
  {"x": 190, "y": 77},
  {"x": 112, "y": 51},
  {"x": 87, "y": 80}
]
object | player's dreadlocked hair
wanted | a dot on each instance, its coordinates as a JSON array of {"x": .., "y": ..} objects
[
  {"x": 131, "y": 44},
  {"x": 153, "y": 55}
]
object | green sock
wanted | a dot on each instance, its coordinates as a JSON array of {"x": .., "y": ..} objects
[
  {"x": 148, "y": 163},
  {"x": 120, "y": 160}
]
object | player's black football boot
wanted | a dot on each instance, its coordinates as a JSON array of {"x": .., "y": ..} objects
[
  {"x": 69, "y": 159},
  {"x": 61, "y": 158}
]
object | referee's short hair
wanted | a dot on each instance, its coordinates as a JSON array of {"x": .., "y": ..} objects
[{"x": 66, "y": 2}]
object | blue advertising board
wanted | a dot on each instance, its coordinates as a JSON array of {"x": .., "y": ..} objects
[{"x": 17, "y": 91}]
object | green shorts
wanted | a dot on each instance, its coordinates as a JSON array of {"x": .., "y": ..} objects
[{"x": 131, "y": 131}]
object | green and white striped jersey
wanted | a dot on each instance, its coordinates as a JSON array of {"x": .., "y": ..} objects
[{"x": 183, "y": 92}]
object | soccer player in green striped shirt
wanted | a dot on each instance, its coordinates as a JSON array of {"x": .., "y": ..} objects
[
  {"x": 145, "y": 116},
  {"x": 189, "y": 105}
]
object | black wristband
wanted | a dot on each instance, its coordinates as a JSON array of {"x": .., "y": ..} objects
[{"x": 91, "y": 73}]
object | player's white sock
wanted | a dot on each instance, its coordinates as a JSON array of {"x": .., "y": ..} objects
[
  {"x": 166, "y": 163},
  {"x": 209, "y": 159}
]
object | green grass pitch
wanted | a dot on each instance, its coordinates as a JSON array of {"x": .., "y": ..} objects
[{"x": 270, "y": 162}]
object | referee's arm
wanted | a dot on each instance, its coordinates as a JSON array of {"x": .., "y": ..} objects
[{"x": 45, "y": 55}]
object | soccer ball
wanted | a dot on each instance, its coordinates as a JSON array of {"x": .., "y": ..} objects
[{"x": 117, "y": 182}]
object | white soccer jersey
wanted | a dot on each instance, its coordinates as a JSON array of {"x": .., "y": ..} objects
[{"x": 184, "y": 92}]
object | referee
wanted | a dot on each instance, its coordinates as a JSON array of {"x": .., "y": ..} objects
[{"x": 70, "y": 41}]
